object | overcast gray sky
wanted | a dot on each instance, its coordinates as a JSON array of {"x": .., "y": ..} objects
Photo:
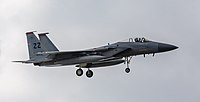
[{"x": 80, "y": 24}]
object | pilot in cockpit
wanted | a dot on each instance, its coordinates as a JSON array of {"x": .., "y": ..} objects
[{"x": 141, "y": 40}]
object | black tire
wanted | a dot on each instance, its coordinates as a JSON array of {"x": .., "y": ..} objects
[
  {"x": 79, "y": 72},
  {"x": 89, "y": 73},
  {"x": 127, "y": 70}
]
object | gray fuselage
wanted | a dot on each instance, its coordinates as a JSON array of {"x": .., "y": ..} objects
[{"x": 116, "y": 50}]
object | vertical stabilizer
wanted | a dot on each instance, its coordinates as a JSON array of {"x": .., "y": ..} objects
[
  {"x": 49, "y": 46},
  {"x": 34, "y": 45}
]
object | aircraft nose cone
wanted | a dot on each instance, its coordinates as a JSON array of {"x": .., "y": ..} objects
[{"x": 166, "y": 47}]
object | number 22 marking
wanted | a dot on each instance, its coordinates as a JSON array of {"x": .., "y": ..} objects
[{"x": 36, "y": 45}]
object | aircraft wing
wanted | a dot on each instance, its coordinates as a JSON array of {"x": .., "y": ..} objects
[
  {"x": 73, "y": 54},
  {"x": 59, "y": 55},
  {"x": 70, "y": 54}
]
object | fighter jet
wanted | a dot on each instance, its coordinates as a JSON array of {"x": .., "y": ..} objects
[{"x": 42, "y": 52}]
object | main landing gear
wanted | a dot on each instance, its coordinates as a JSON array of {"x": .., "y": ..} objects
[
  {"x": 89, "y": 73},
  {"x": 79, "y": 72},
  {"x": 127, "y": 62}
]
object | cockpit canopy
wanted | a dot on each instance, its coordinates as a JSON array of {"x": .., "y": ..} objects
[{"x": 141, "y": 40}]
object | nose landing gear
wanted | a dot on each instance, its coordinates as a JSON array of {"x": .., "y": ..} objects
[
  {"x": 127, "y": 62},
  {"x": 127, "y": 70}
]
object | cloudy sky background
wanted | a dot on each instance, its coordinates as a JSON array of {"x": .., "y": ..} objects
[{"x": 80, "y": 24}]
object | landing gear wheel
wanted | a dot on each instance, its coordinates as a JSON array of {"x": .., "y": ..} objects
[
  {"x": 79, "y": 72},
  {"x": 127, "y": 70},
  {"x": 89, "y": 73}
]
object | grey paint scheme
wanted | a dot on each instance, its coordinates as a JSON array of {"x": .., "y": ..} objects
[
  {"x": 112, "y": 51},
  {"x": 49, "y": 46},
  {"x": 42, "y": 52}
]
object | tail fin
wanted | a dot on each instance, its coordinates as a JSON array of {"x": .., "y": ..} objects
[
  {"x": 49, "y": 46},
  {"x": 34, "y": 45}
]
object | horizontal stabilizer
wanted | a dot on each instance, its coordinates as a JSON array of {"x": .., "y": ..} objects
[
  {"x": 23, "y": 62},
  {"x": 33, "y": 61}
]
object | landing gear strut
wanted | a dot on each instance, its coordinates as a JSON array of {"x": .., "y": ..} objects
[{"x": 127, "y": 62}]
